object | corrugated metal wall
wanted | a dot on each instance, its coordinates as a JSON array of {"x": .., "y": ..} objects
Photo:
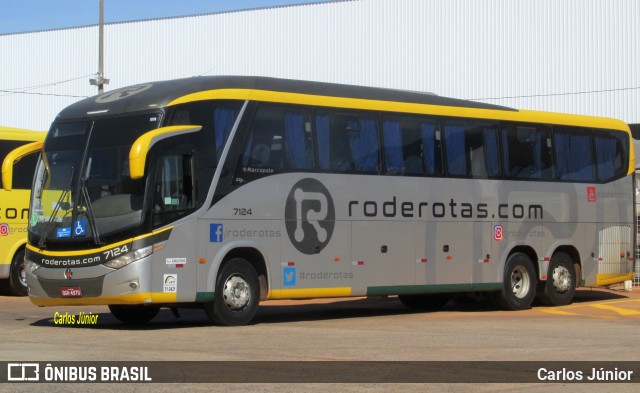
[{"x": 575, "y": 56}]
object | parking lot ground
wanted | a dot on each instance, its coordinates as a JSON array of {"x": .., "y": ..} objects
[{"x": 600, "y": 325}]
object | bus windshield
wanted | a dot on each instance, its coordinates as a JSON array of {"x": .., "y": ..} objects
[{"x": 82, "y": 187}]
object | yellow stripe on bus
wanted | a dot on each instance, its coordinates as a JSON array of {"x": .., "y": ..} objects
[
  {"x": 309, "y": 293},
  {"x": 133, "y": 298},
  {"x": 142, "y": 145},
  {"x": 405, "y": 107}
]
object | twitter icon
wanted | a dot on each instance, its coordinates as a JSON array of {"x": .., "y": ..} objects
[{"x": 289, "y": 276}]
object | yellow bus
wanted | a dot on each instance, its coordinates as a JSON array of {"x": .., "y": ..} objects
[{"x": 14, "y": 203}]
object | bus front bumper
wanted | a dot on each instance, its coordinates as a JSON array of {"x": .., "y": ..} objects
[{"x": 97, "y": 285}]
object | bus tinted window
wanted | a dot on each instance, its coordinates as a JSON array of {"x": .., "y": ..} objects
[
  {"x": 279, "y": 140},
  {"x": 574, "y": 157},
  {"x": 23, "y": 171},
  {"x": 612, "y": 154},
  {"x": 412, "y": 146},
  {"x": 471, "y": 149},
  {"x": 527, "y": 152},
  {"x": 217, "y": 120},
  {"x": 175, "y": 192},
  {"x": 347, "y": 143},
  {"x": 5, "y": 148},
  {"x": 334, "y": 153}
]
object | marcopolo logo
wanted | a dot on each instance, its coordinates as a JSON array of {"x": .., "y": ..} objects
[
  {"x": 122, "y": 93},
  {"x": 309, "y": 216}
]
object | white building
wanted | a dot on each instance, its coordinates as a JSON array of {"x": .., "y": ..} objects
[{"x": 574, "y": 56}]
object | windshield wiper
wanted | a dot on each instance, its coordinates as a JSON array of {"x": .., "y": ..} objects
[
  {"x": 92, "y": 220},
  {"x": 88, "y": 211},
  {"x": 51, "y": 223}
]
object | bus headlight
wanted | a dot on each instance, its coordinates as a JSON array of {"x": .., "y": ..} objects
[
  {"x": 30, "y": 266},
  {"x": 124, "y": 260}
]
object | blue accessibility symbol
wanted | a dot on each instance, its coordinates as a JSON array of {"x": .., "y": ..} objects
[{"x": 79, "y": 228}]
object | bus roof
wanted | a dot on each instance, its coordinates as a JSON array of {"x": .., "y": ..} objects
[
  {"x": 172, "y": 92},
  {"x": 159, "y": 94},
  {"x": 19, "y": 134}
]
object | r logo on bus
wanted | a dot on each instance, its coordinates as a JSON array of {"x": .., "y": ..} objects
[
  {"x": 122, "y": 93},
  {"x": 309, "y": 216}
]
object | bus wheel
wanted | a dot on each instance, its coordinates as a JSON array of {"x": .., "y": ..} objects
[
  {"x": 519, "y": 283},
  {"x": 560, "y": 286},
  {"x": 424, "y": 302},
  {"x": 133, "y": 314},
  {"x": 237, "y": 294},
  {"x": 18, "y": 276}
]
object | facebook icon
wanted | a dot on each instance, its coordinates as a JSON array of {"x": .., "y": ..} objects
[{"x": 216, "y": 232}]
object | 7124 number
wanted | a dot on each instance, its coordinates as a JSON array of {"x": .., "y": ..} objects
[{"x": 241, "y": 212}]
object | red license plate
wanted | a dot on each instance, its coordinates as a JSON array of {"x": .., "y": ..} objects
[{"x": 71, "y": 292}]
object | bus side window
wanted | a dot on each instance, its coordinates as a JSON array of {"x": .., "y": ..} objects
[
  {"x": 279, "y": 140},
  {"x": 527, "y": 152},
  {"x": 333, "y": 152},
  {"x": 472, "y": 149},
  {"x": 393, "y": 149},
  {"x": 5, "y": 148},
  {"x": 612, "y": 154},
  {"x": 411, "y": 146},
  {"x": 174, "y": 191},
  {"x": 348, "y": 144},
  {"x": 23, "y": 171},
  {"x": 574, "y": 159},
  {"x": 455, "y": 147},
  {"x": 298, "y": 146}
]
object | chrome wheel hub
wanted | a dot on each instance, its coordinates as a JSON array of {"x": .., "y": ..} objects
[
  {"x": 561, "y": 279},
  {"x": 520, "y": 282},
  {"x": 236, "y": 293}
]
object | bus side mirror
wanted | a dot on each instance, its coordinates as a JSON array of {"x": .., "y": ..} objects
[
  {"x": 11, "y": 158},
  {"x": 142, "y": 145}
]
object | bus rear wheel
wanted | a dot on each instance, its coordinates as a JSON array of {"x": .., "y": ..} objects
[
  {"x": 237, "y": 294},
  {"x": 560, "y": 286},
  {"x": 18, "y": 276},
  {"x": 519, "y": 283},
  {"x": 134, "y": 315}
]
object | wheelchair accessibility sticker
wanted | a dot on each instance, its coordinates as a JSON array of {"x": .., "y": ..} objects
[{"x": 80, "y": 228}]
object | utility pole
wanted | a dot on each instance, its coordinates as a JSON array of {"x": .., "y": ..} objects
[{"x": 100, "y": 81}]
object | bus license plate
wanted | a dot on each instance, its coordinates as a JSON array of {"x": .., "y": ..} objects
[{"x": 71, "y": 292}]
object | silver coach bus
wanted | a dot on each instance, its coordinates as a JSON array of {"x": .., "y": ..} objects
[{"x": 222, "y": 192}]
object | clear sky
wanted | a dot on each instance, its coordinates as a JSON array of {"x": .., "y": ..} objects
[{"x": 31, "y": 15}]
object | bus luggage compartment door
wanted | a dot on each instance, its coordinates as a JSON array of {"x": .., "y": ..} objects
[
  {"x": 615, "y": 254},
  {"x": 383, "y": 254}
]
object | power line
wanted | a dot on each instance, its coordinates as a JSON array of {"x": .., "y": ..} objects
[
  {"x": 25, "y": 90},
  {"x": 556, "y": 94},
  {"x": 48, "y": 84},
  {"x": 38, "y": 94}
]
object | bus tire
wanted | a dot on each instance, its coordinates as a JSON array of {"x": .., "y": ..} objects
[
  {"x": 133, "y": 314},
  {"x": 236, "y": 296},
  {"x": 18, "y": 276},
  {"x": 424, "y": 302},
  {"x": 560, "y": 286},
  {"x": 518, "y": 285}
]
